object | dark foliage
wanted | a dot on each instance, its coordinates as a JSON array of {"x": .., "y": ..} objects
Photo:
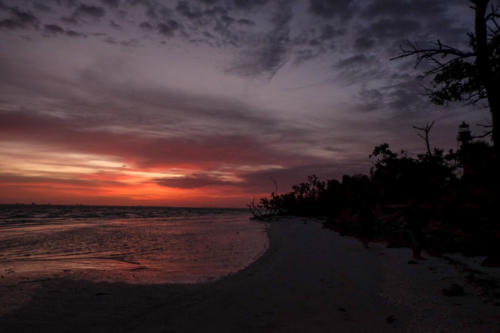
[
  {"x": 442, "y": 201},
  {"x": 471, "y": 74}
]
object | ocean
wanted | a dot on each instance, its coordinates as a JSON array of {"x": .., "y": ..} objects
[{"x": 138, "y": 245}]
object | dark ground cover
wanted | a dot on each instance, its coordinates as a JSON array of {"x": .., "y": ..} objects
[{"x": 438, "y": 201}]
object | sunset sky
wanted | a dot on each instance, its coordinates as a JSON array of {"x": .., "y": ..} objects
[{"x": 206, "y": 102}]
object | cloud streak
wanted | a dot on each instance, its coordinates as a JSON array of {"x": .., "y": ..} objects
[
  {"x": 208, "y": 151},
  {"x": 18, "y": 19}
]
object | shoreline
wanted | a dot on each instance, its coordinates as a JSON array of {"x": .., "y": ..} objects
[{"x": 308, "y": 280}]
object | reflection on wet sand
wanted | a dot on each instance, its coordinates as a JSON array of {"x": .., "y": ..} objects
[
  {"x": 138, "y": 250},
  {"x": 156, "y": 250}
]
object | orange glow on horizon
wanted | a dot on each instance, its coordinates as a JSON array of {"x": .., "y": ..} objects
[{"x": 30, "y": 174}]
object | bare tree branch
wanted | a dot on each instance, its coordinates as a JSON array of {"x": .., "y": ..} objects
[
  {"x": 440, "y": 50},
  {"x": 426, "y": 130}
]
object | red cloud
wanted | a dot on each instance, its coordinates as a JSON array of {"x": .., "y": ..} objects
[{"x": 201, "y": 152}]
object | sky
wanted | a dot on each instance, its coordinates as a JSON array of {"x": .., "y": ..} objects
[{"x": 211, "y": 102}]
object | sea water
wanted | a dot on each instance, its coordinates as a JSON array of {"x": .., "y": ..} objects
[{"x": 141, "y": 245}]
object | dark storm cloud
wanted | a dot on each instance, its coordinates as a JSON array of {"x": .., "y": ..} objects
[
  {"x": 363, "y": 43},
  {"x": 393, "y": 28},
  {"x": 210, "y": 25},
  {"x": 227, "y": 19},
  {"x": 402, "y": 8},
  {"x": 89, "y": 11},
  {"x": 358, "y": 69},
  {"x": 406, "y": 95},
  {"x": 370, "y": 100},
  {"x": 332, "y": 8},
  {"x": 111, "y": 3},
  {"x": 314, "y": 42},
  {"x": 19, "y": 19},
  {"x": 209, "y": 2},
  {"x": 66, "y": 3},
  {"x": 41, "y": 7},
  {"x": 53, "y": 28},
  {"x": 115, "y": 25},
  {"x": 168, "y": 28},
  {"x": 194, "y": 181},
  {"x": 374, "y": 34},
  {"x": 83, "y": 13},
  {"x": 215, "y": 11},
  {"x": 328, "y": 32},
  {"x": 126, "y": 43},
  {"x": 153, "y": 9},
  {"x": 405, "y": 98},
  {"x": 246, "y": 4},
  {"x": 210, "y": 22},
  {"x": 72, "y": 33},
  {"x": 246, "y": 22},
  {"x": 271, "y": 51},
  {"x": 263, "y": 51},
  {"x": 355, "y": 60},
  {"x": 399, "y": 20},
  {"x": 146, "y": 26},
  {"x": 184, "y": 8},
  {"x": 376, "y": 26}
]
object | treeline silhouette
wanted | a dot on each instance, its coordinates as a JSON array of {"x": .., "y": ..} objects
[{"x": 440, "y": 201}]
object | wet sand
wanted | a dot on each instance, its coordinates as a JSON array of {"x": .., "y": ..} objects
[{"x": 309, "y": 280}]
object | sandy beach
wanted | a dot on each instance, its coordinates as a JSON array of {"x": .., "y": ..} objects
[{"x": 309, "y": 280}]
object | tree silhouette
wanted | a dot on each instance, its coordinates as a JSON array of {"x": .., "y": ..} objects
[
  {"x": 425, "y": 136},
  {"x": 469, "y": 75}
]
